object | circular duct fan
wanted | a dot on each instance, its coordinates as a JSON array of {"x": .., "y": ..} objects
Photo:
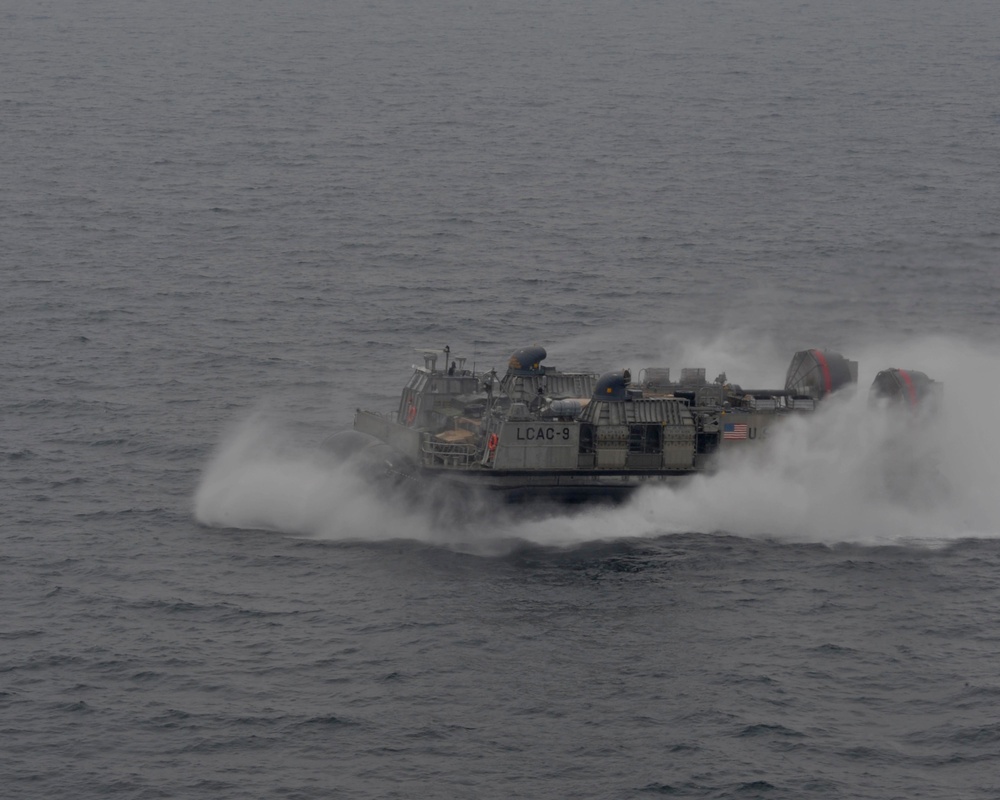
[
  {"x": 902, "y": 387},
  {"x": 815, "y": 373}
]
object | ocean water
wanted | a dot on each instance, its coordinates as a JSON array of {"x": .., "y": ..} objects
[{"x": 226, "y": 225}]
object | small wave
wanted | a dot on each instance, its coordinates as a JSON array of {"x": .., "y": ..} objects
[
  {"x": 146, "y": 675},
  {"x": 755, "y": 788},
  {"x": 328, "y": 720},
  {"x": 23, "y": 634},
  {"x": 769, "y": 730},
  {"x": 78, "y": 707},
  {"x": 76, "y": 481},
  {"x": 834, "y": 649},
  {"x": 977, "y": 735}
]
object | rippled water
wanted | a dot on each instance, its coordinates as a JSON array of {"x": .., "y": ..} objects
[{"x": 226, "y": 226}]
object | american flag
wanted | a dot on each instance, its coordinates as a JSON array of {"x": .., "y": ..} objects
[{"x": 734, "y": 430}]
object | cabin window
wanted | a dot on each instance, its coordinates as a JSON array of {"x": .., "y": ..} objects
[{"x": 707, "y": 442}]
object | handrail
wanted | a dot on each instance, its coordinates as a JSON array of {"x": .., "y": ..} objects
[{"x": 450, "y": 453}]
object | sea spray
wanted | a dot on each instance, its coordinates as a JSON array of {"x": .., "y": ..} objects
[
  {"x": 266, "y": 476},
  {"x": 261, "y": 477}
]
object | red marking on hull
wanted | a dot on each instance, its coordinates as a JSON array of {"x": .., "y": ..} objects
[
  {"x": 827, "y": 379},
  {"x": 911, "y": 390}
]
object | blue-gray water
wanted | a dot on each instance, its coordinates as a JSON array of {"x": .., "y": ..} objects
[{"x": 225, "y": 226}]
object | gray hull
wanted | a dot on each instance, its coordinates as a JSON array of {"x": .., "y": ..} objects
[{"x": 539, "y": 432}]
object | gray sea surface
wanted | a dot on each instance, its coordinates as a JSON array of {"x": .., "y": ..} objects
[{"x": 225, "y": 226}]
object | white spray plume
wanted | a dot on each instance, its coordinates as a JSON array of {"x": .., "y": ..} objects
[
  {"x": 259, "y": 478},
  {"x": 262, "y": 477}
]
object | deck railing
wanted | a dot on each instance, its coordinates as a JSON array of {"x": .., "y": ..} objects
[{"x": 449, "y": 454}]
